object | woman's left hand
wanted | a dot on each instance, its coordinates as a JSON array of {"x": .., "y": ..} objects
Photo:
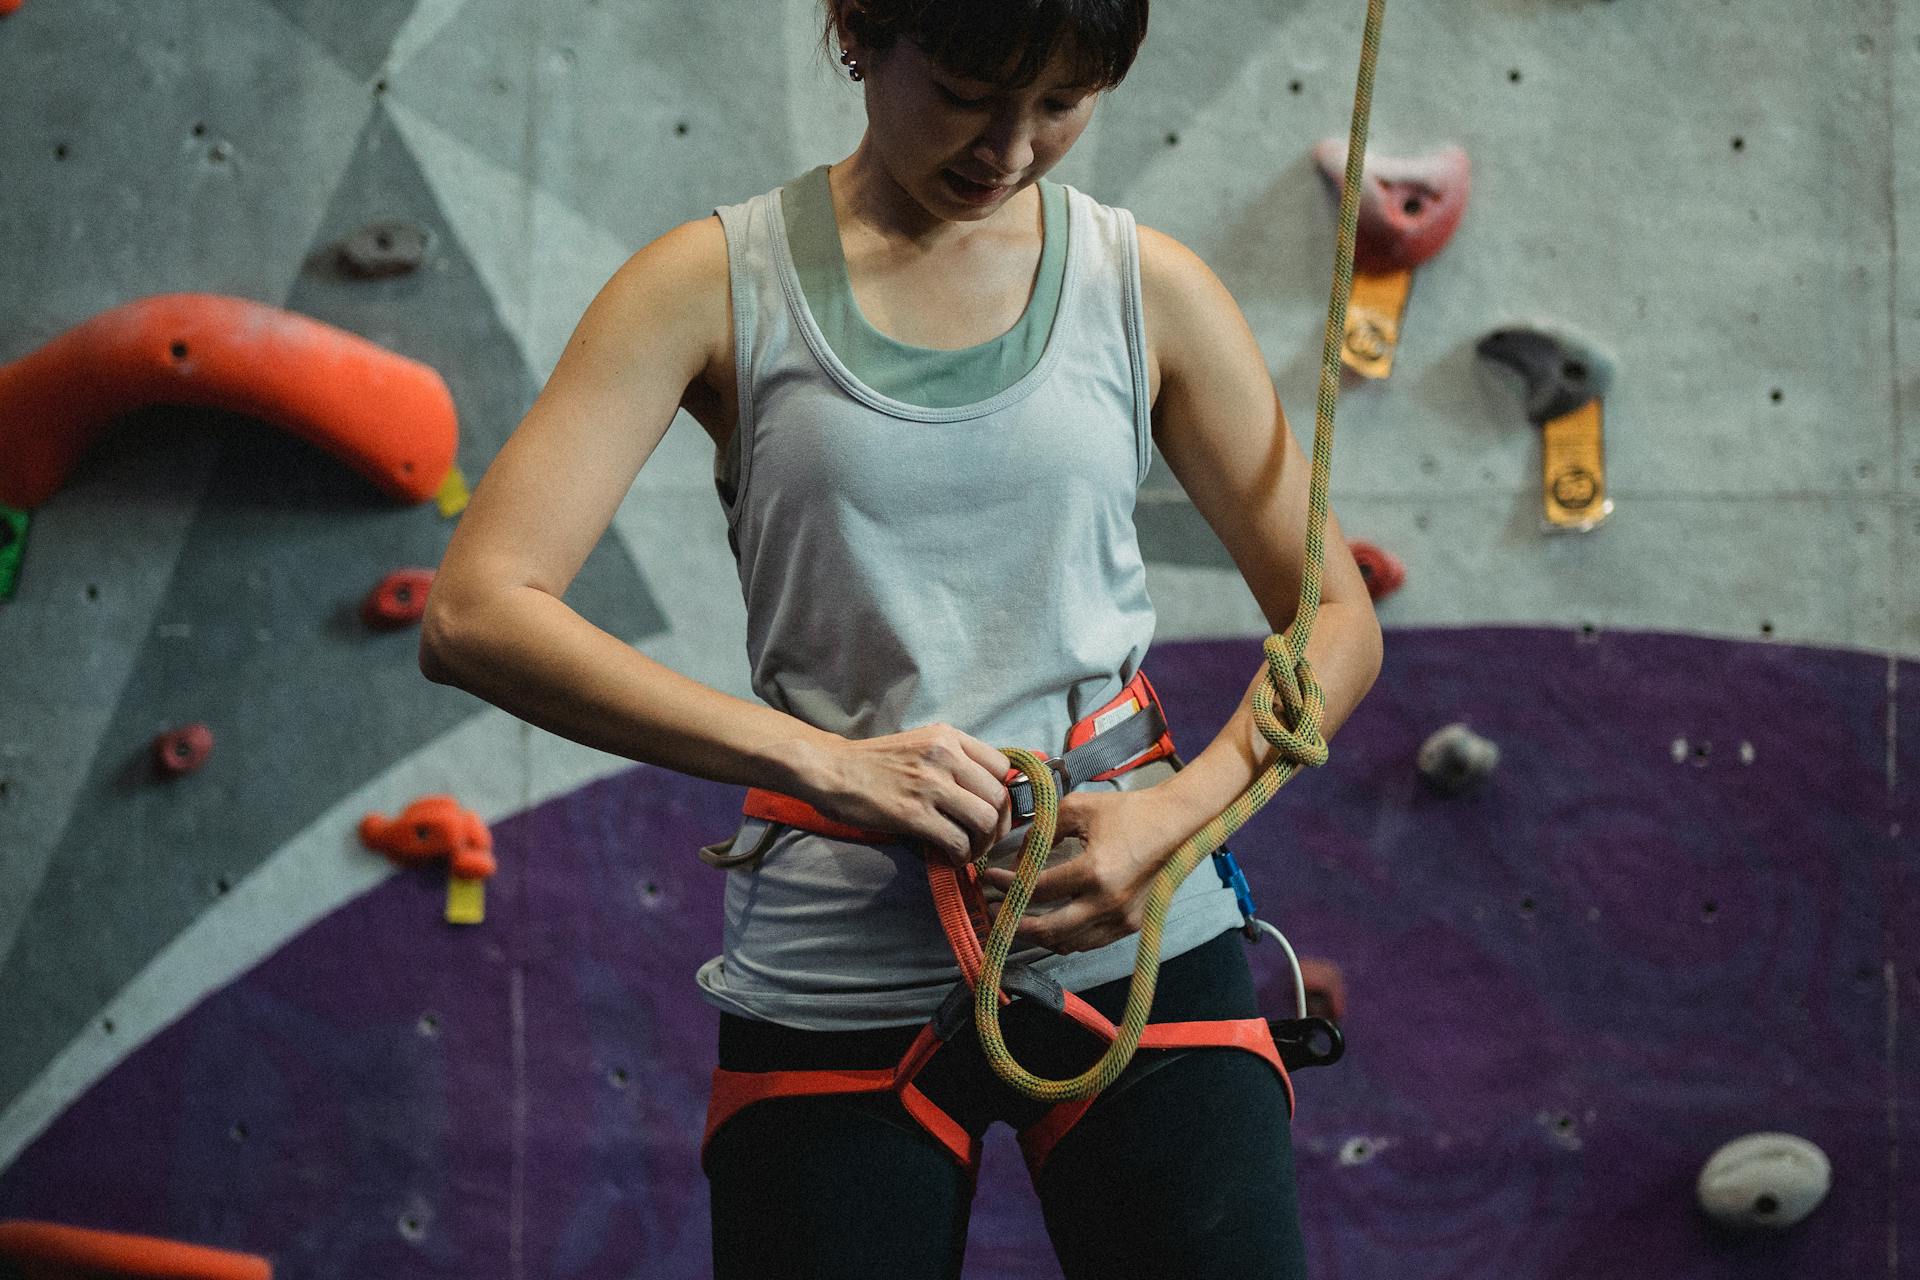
[{"x": 1100, "y": 894}]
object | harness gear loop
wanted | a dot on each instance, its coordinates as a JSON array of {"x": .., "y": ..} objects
[{"x": 1295, "y": 734}]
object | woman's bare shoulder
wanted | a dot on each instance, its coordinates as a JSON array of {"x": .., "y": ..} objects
[
  {"x": 680, "y": 277},
  {"x": 1173, "y": 280}
]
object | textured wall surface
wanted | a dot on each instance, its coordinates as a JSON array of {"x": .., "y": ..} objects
[
  {"x": 1566, "y": 989},
  {"x": 1710, "y": 194}
]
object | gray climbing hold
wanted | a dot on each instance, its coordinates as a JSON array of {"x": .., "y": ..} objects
[
  {"x": 1456, "y": 757},
  {"x": 385, "y": 249},
  {"x": 1764, "y": 1181},
  {"x": 1560, "y": 373}
]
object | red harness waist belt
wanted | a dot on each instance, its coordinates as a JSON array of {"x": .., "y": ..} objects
[{"x": 1124, "y": 734}]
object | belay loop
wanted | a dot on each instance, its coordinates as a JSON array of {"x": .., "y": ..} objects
[{"x": 1294, "y": 732}]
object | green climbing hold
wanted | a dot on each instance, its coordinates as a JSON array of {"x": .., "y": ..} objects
[{"x": 13, "y": 544}]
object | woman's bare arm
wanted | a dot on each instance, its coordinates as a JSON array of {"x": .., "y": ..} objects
[
  {"x": 1222, "y": 431},
  {"x": 497, "y": 626}
]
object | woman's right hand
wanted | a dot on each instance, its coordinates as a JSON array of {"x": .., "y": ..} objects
[{"x": 933, "y": 785}]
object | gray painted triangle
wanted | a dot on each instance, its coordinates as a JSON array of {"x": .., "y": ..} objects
[
  {"x": 357, "y": 35},
  {"x": 257, "y": 633}
]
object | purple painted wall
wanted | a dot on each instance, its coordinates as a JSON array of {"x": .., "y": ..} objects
[{"x": 1565, "y": 990}]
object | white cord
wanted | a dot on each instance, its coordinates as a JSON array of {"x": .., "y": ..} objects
[{"x": 1299, "y": 983}]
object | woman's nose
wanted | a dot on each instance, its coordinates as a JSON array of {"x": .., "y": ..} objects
[{"x": 1007, "y": 147}]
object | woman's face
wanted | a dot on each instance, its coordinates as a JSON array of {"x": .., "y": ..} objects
[{"x": 930, "y": 126}]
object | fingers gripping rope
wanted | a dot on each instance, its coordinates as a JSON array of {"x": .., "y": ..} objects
[{"x": 1294, "y": 730}]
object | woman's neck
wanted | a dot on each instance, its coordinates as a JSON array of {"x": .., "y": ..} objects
[{"x": 867, "y": 199}]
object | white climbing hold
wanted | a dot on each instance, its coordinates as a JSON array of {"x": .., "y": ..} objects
[
  {"x": 1456, "y": 757},
  {"x": 1764, "y": 1180}
]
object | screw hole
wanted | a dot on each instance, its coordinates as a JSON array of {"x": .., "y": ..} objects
[
  {"x": 179, "y": 350},
  {"x": 1173, "y": 139},
  {"x": 1514, "y": 75},
  {"x": 60, "y": 151},
  {"x": 1739, "y": 144}
]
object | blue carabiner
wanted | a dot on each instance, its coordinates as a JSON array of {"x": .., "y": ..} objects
[{"x": 1233, "y": 878}]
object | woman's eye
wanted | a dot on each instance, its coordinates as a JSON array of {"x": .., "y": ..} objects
[{"x": 959, "y": 101}]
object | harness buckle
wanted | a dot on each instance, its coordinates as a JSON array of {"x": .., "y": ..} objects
[{"x": 1020, "y": 791}]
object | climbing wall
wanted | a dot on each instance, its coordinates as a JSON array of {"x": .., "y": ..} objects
[{"x": 1680, "y": 910}]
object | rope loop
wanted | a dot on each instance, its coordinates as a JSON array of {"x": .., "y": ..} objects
[{"x": 1297, "y": 738}]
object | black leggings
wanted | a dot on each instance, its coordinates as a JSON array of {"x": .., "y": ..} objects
[{"x": 1183, "y": 1166}]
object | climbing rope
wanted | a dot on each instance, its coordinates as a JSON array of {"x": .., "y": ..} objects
[{"x": 1297, "y": 738}]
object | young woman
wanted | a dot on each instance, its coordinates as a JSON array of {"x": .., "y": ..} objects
[{"x": 934, "y": 380}]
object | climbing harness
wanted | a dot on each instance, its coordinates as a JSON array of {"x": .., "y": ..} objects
[
  {"x": 1107, "y": 749},
  {"x": 1101, "y": 747}
]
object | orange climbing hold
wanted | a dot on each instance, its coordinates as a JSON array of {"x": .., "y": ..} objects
[
  {"x": 51, "y": 1251},
  {"x": 433, "y": 827},
  {"x": 389, "y": 417},
  {"x": 8, "y": 6}
]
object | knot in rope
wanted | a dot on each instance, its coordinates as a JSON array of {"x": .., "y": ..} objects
[{"x": 1298, "y": 737}]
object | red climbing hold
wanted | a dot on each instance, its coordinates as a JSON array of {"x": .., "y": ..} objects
[
  {"x": 433, "y": 827},
  {"x": 180, "y": 751},
  {"x": 1326, "y": 990},
  {"x": 399, "y": 600},
  {"x": 1384, "y": 573},
  {"x": 1409, "y": 208},
  {"x": 8, "y": 6}
]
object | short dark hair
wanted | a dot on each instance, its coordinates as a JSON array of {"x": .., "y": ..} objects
[{"x": 976, "y": 39}]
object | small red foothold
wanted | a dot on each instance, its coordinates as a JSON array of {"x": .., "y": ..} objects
[
  {"x": 399, "y": 600},
  {"x": 1384, "y": 573},
  {"x": 1326, "y": 990},
  {"x": 8, "y": 6},
  {"x": 181, "y": 751}
]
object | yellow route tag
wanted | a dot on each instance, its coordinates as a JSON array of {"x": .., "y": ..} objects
[
  {"x": 1373, "y": 321},
  {"x": 453, "y": 494},
  {"x": 1574, "y": 472},
  {"x": 466, "y": 900}
]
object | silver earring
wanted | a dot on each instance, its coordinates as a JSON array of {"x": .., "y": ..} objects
[{"x": 853, "y": 68}]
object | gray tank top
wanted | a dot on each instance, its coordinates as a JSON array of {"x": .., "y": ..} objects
[{"x": 902, "y": 563}]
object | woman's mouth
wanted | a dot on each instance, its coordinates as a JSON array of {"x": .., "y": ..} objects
[{"x": 970, "y": 191}]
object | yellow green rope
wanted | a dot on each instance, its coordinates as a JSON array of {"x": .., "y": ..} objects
[{"x": 1297, "y": 739}]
